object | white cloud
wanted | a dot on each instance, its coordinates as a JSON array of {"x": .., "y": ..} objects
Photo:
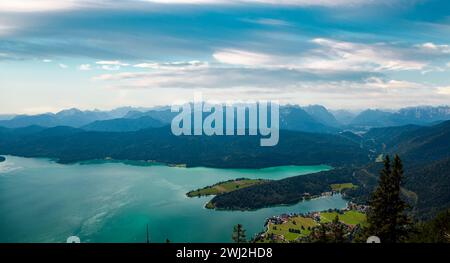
[
  {"x": 121, "y": 76},
  {"x": 147, "y": 65},
  {"x": 110, "y": 67},
  {"x": 36, "y": 6},
  {"x": 189, "y": 2},
  {"x": 431, "y": 47},
  {"x": 244, "y": 83},
  {"x": 46, "y": 60},
  {"x": 390, "y": 84},
  {"x": 430, "y": 69},
  {"x": 85, "y": 67},
  {"x": 64, "y": 66},
  {"x": 241, "y": 57},
  {"x": 184, "y": 75},
  {"x": 111, "y": 64},
  {"x": 313, "y": 2},
  {"x": 443, "y": 90},
  {"x": 195, "y": 77},
  {"x": 335, "y": 55},
  {"x": 267, "y": 21},
  {"x": 329, "y": 56},
  {"x": 57, "y": 5},
  {"x": 177, "y": 65},
  {"x": 330, "y": 3}
]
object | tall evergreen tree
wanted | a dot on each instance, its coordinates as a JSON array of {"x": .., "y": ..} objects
[
  {"x": 239, "y": 234},
  {"x": 378, "y": 204},
  {"x": 387, "y": 218},
  {"x": 401, "y": 224}
]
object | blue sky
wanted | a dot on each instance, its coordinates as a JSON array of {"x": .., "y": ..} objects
[{"x": 349, "y": 54}]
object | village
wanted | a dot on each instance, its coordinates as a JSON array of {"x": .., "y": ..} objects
[{"x": 295, "y": 227}]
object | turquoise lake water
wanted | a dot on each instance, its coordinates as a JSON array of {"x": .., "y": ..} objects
[{"x": 43, "y": 201}]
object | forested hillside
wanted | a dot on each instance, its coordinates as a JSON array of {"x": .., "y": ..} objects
[
  {"x": 426, "y": 163},
  {"x": 71, "y": 145}
]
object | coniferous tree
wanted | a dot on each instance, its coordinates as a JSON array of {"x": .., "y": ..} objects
[
  {"x": 378, "y": 204},
  {"x": 387, "y": 218},
  {"x": 436, "y": 230},
  {"x": 400, "y": 222},
  {"x": 239, "y": 234}
]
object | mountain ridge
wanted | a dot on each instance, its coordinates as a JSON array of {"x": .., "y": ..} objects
[{"x": 311, "y": 118}]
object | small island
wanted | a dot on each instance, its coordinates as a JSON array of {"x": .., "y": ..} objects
[
  {"x": 2, "y": 159},
  {"x": 225, "y": 187}
]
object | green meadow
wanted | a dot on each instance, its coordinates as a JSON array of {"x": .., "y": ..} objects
[
  {"x": 351, "y": 217},
  {"x": 225, "y": 187},
  {"x": 298, "y": 223},
  {"x": 340, "y": 187}
]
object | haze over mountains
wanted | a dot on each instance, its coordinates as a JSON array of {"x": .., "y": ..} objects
[
  {"x": 69, "y": 117},
  {"x": 313, "y": 118}
]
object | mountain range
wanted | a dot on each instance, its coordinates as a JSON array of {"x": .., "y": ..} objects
[
  {"x": 411, "y": 115},
  {"x": 312, "y": 118}
]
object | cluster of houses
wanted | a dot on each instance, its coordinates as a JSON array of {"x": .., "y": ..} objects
[
  {"x": 308, "y": 196},
  {"x": 357, "y": 207},
  {"x": 283, "y": 218}
]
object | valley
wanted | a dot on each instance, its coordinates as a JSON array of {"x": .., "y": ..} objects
[{"x": 250, "y": 183}]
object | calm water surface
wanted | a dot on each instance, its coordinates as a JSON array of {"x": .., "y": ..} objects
[{"x": 42, "y": 201}]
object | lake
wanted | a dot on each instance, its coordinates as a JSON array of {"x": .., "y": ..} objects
[{"x": 43, "y": 201}]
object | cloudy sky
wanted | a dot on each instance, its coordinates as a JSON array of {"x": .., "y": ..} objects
[{"x": 352, "y": 54}]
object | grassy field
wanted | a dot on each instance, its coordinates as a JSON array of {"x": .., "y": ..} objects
[
  {"x": 349, "y": 217},
  {"x": 340, "y": 187},
  {"x": 293, "y": 223},
  {"x": 225, "y": 187}
]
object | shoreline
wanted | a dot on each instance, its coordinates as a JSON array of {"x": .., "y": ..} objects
[
  {"x": 278, "y": 205},
  {"x": 326, "y": 167}
]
